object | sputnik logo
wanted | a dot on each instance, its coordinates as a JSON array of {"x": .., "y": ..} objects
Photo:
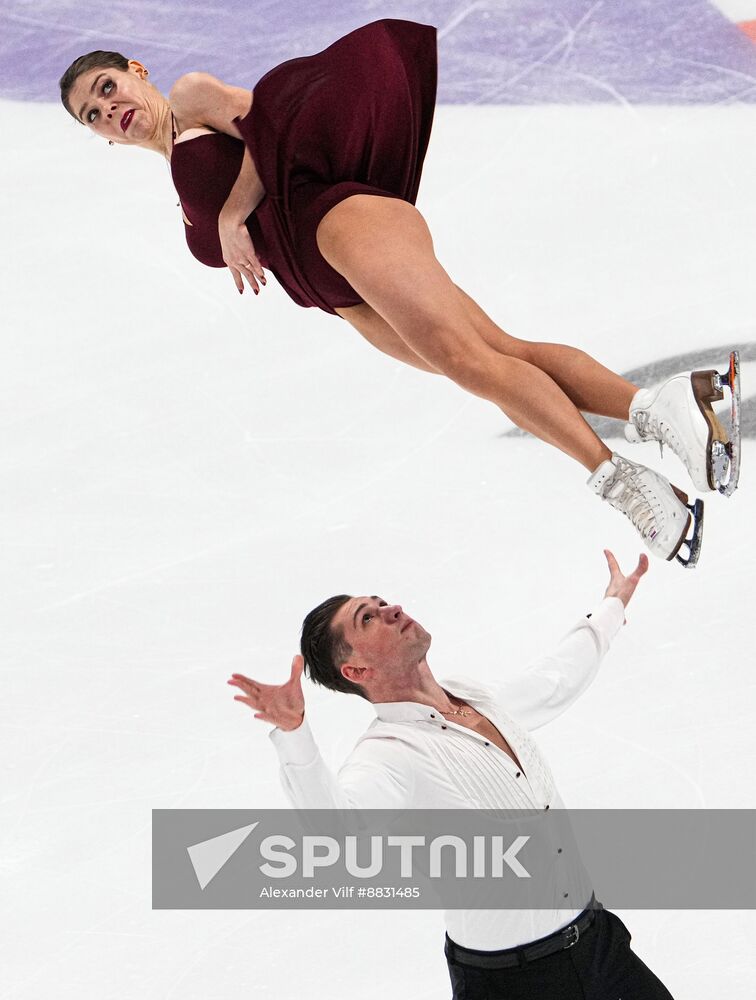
[{"x": 209, "y": 856}]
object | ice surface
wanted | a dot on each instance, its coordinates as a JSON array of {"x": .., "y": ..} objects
[
  {"x": 737, "y": 10},
  {"x": 185, "y": 472}
]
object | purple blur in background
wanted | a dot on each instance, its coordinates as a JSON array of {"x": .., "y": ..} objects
[{"x": 523, "y": 52}]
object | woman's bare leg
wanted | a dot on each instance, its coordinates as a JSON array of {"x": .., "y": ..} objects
[
  {"x": 383, "y": 248},
  {"x": 377, "y": 332},
  {"x": 590, "y": 386}
]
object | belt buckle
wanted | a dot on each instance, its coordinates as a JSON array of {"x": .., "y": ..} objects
[{"x": 573, "y": 930}]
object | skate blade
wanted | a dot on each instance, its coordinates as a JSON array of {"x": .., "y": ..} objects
[
  {"x": 726, "y": 459},
  {"x": 707, "y": 389},
  {"x": 693, "y": 544},
  {"x": 723, "y": 449}
]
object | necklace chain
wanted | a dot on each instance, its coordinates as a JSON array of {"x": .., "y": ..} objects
[
  {"x": 173, "y": 138},
  {"x": 457, "y": 711},
  {"x": 168, "y": 158}
]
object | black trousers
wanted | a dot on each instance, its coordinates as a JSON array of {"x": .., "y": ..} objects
[{"x": 601, "y": 966}]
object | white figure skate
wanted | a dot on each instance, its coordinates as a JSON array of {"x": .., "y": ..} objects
[
  {"x": 659, "y": 511},
  {"x": 678, "y": 413}
]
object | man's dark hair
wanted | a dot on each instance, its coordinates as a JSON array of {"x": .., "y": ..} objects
[
  {"x": 324, "y": 648},
  {"x": 92, "y": 60}
]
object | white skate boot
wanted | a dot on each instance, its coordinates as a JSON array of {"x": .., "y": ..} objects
[
  {"x": 678, "y": 413},
  {"x": 660, "y": 513}
]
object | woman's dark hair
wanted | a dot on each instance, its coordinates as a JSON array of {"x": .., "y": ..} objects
[
  {"x": 324, "y": 648},
  {"x": 92, "y": 60}
]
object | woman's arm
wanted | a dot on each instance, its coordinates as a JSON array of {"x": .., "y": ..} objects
[
  {"x": 200, "y": 100},
  {"x": 245, "y": 195}
]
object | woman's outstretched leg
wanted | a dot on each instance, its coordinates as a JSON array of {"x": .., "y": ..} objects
[
  {"x": 667, "y": 413},
  {"x": 377, "y": 332},
  {"x": 383, "y": 247},
  {"x": 591, "y": 387}
]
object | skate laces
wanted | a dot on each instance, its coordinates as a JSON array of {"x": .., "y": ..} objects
[
  {"x": 657, "y": 429},
  {"x": 634, "y": 499}
]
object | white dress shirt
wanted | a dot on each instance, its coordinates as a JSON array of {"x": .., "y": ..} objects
[{"x": 411, "y": 757}]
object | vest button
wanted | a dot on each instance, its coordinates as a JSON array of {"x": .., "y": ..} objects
[
  {"x": 443, "y": 727},
  {"x": 546, "y": 807},
  {"x": 559, "y": 850},
  {"x": 517, "y": 775},
  {"x": 488, "y": 744},
  {"x": 566, "y": 895},
  {"x": 433, "y": 715}
]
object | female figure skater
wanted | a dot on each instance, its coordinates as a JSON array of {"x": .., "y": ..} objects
[{"x": 314, "y": 174}]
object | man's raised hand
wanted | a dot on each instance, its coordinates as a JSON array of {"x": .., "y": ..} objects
[
  {"x": 281, "y": 704},
  {"x": 620, "y": 585}
]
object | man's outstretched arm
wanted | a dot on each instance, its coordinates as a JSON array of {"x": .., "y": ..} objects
[
  {"x": 554, "y": 682},
  {"x": 373, "y": 778}
]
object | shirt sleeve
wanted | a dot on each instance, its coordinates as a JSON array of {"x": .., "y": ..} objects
[
  {"x": 376, "y": 775},
  {"x": 552, "y": 684}
]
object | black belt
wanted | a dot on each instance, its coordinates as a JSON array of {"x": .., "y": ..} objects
[{"x": 510, "y": 957}]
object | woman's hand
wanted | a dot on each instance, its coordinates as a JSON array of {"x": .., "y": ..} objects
[
  {"x": 281, "y": 704},
  {"x": 239, "y": 254}
]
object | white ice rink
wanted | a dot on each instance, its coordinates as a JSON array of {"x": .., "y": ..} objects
[{"x": 186, "y": 472}]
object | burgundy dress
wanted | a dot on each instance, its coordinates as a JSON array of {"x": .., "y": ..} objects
[{"x": 353, "y": 119}]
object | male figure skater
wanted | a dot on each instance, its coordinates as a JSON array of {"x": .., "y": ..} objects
[{"x": 461, "y": 744}]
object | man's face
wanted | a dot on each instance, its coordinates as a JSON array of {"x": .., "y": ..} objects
[{"x": 383, "y": 638}]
